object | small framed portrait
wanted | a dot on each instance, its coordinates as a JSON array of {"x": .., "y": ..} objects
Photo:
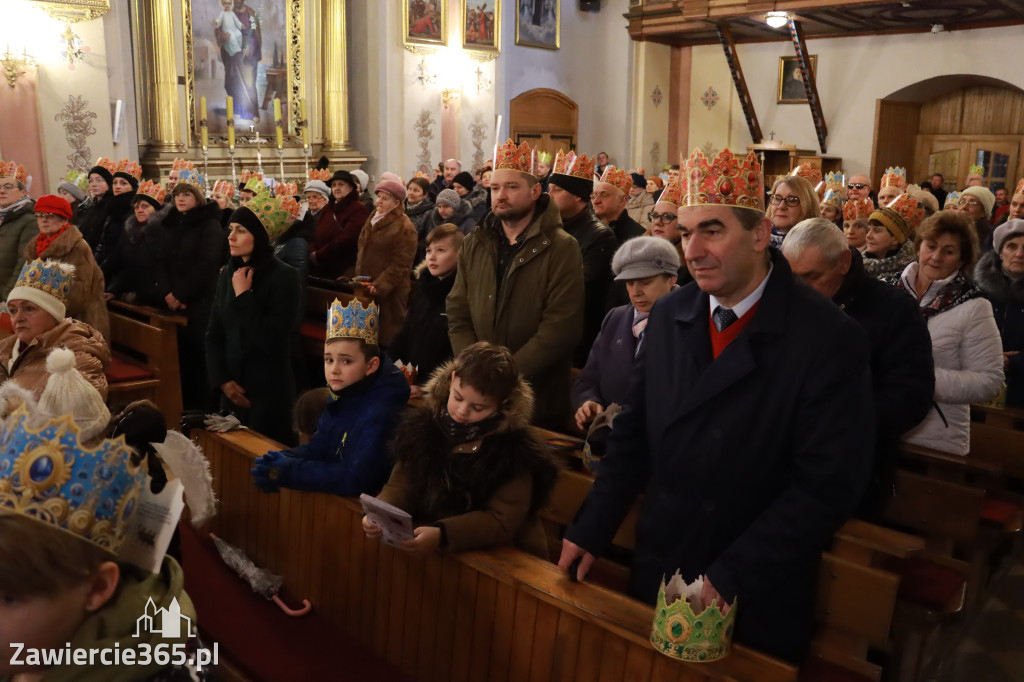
[
  {"x": 425, "y": 22},
  {"x": 791, "y": 80},
  {"x": 537, "y": 23},
  {"x": 480, "y": 29}
]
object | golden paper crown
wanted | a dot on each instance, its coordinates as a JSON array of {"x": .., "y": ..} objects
[
  {"x": 321, "y": 174},
  {"x": 353, "y": 321},
  {"x": 192, "y": 177},
  {"x": 224, "y": 187},
  {"x": 1020, "y": 187},
  {"x": 421, "y": 174},
  {"x": 858, "y": 209},
  {"x": 272, "y": 212},
  {"x": 104, "y": 162},
  {"x": 510, "y": 157},
  {"x": 835, "y": 181},
  {"x": 51, "y": 277},
  {"x": 726, "y": 180},
  {"x": 150, "y": 189},
  {"x": 617, "y": 178},
  {"x": 954, "y": 197},
  {"x": 975, "y": 169},
  {"x": 10, "y": 169},
  {"x": 570, "y": 164},
  {"x": 286, "y": 189},
  {"x": 129, "y": 167},
  {"x": 672, "y": 194},
  {"x": 700, "y": 633},
  {"x": 895, "y": 176},
  {"x": 833, "y": 196},
  {"x": 182, "y": 164},
  {"x": 909, "y": 209}
]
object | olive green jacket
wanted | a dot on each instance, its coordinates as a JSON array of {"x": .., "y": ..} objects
[{"x": 19, "y": 227}]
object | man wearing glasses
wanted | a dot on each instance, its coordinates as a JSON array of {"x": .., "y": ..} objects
[
  {"x": 859, "y": 187},
  {"x": 17, "y": 223}
]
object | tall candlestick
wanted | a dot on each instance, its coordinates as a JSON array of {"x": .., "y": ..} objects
[
  {"x": 278, "y": 132},
  {"x": 304, "y": 123},
  {"x": 205, "y": 134},
  {"x": 231, "y": 123}
]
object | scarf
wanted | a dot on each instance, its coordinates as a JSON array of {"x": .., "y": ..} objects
[
  {"x": 377, "y": 215},
  {"x": 43, "y": 241},
  {"x": 959, "y": 290},
  {"x": 458, "y": 432},
  {"x": 13, "y": 208}
]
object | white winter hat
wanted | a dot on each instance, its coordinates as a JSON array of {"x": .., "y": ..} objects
[
  {"x": 362, "y": 177},
  {"x": 68, "y": 392}
]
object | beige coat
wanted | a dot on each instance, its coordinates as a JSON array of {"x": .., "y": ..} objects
[
  {"x": 386, "y": 254},
  {"x": 86, "y": 303},
  {"x": 92, "y": 355}
]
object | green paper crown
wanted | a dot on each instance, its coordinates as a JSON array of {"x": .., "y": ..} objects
[
  {"x": 78, "y": 178},
  {"x": 975, "y": 169},
  {"x": 272, "y": 214},
  {"x": 680, "y": 633}
]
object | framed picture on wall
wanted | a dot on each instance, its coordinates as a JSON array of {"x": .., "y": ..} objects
[
  {"x": 425, "y": 22},
  {"x": 791, "y": 80},
  {"x": 480, "y": 26},
  {"x": 538, "y": 23}
]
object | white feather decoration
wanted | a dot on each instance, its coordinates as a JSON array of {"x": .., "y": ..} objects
[{"x": 186, "y": 461}]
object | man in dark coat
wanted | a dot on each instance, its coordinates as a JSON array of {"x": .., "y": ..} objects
[
  {"x": 571, "y": 194},
  {"x": 902, "y": 371},
  {"x": 611, "y": 194},
  {"x": 750, "y": 426}
]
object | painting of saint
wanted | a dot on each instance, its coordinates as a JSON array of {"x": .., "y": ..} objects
[
  {"x": 480, "y": 30},
  {"x": 537, "y": 23},
  {"x": 425, "y": 21}
]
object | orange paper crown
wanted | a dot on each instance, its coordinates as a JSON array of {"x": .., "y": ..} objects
[
  {"x": 510, "y": 157},
  {"x": 321, "y": 174},
  {"x": 725, "y": 180},
  {"x": 672, "y": 194},
  {"x": 909, "y": 209},
  {"x": 286, "y": 188},
  {"x": 224, "y": 187},
  {"x": 808, "y": 173},
  {"x": 1020, "y": 187},
  {"x": 182, "y": 164},
  {"x": 858, "y": 209},
  {"x": 570, "y": 164},
  {"x": 617, "y": 178},
  {"x": 289, "y": 204},
  {"x": 895, "y": 176},
  {"x": 10, "y": 169},
  {"x": 104, "y": 162},
  {"x": 152, "y": 190},
  {"x": 251, "y": 175},
  {"x": 129, "y": 167}
]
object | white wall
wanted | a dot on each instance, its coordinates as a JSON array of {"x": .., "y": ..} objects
[{"x": 852, "y": 74}]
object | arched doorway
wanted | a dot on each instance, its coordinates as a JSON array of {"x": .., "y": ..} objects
[
  {"x": 545, "y": 118},
  {"x": 949, "y": 123}
]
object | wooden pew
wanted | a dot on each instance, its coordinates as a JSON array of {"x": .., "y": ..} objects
[
  {"x": 319, "y": 296},
  {"x": 496, "y": 615},
  {"x": 144, "y": 357},
  {"x": 1001, "y": 417}
]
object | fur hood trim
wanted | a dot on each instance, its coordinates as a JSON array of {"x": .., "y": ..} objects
[
  {"x": 995, "y": 283},
  {"x": 518, "y": 408}
]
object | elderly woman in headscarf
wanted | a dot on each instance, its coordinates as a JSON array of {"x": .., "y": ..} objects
[{"x": 37, "y": 305}]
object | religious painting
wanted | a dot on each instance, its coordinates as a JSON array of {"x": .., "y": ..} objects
[
  {"x": 248, "y": 50},
  {"x": 791, "y": 80},
  {"x": 425, "y": 22},
  {"x": 480, "y": 29},
  {"x": 537, "y": 23}
]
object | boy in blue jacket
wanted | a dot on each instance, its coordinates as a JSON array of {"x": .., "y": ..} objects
[{"x": 347, "y": 454}]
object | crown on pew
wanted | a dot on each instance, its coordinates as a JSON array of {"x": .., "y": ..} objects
[
  {"x": 724, "y": 180},
  {"x": 681, "y": 632},
  {"x": 895, "y": 176},
  {"x": 353, "y": 321}
]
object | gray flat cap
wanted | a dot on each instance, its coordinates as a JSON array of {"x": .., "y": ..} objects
[{"x": 645, "y": 257}]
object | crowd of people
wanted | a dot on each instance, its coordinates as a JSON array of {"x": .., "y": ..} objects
[{"x": 765, "y": 351}]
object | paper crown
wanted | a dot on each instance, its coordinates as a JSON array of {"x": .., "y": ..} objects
[
  {"x": 895, "y": 176},
  {"x": 321, "y": 174},
  {"x": 294, "y": 208},
  {"x": 129, "y": 167},
  {"x": 353, "y": 321},
  {"x": 835, "y": 181},
  {"x": 150, "y": 189},
  {"x": 289, "y": 189},
  {"x": 909, "y": 209},
  {"x": 10, "y": 169},
  {"x": 224, "y": 187},
  {"x": 104, "y": 162},
  {"x": 834, "y": 197},
  {"x": 182, "y": 165},
  {"x": 975, "y": 169},
  {"x": 952, "y": 199},
  {"x": 256, "y": 186},
  {"x": 272, "y": 212},
  {"x": 686, "y": 629},
  {"x": 581, "y": 166},
  {"x": 808, "y": 173},
  {"x": 251, "y": 175},
  {"x": 421, "y": 174},
  {"x": 544, "y": 157},
  {"x": 48, "y": 276},
  {"x": 192, "y": 177},
  {"x": 858, "y": 209},
  {"x": 510, "y": 157},
  {"x": 672, "y": 194},
  {"x": 1020, "y": 187},
  {"x": 47, "y": 474},
  {"x": 617, "y": 178},
  {"x": 725, "y": 180},
  {"x": 77, "y": 178}
]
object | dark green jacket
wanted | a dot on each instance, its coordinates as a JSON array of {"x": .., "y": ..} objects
[
  {"x": 539, "y": 312},
  {"x": 18, "y": 229}
]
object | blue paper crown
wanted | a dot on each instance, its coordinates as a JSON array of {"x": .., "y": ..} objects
[
  {"x": 48, "y": 475},
  {"x": 49, "y": 276},
  {"x": 952, "y": 198},
  {"x": 192, "y": 177},
  {"x": 352, "y": 321}
]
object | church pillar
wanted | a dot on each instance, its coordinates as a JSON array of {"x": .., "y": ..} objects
[
  {"x": 336, "y": 134},
  {"x": 160, "y": 73}
]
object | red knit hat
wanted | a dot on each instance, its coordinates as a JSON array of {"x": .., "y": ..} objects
[{"x": 54, "y": 204}]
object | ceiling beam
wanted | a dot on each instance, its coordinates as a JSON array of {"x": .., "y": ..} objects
[
  {"x": 733, "y": 59},
  {"x": 810, "y": 83}
]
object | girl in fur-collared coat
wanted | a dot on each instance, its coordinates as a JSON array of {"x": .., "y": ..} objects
[{"x": 467, "y": 468}]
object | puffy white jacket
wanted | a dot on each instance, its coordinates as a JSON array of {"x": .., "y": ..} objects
[{"x": 968, "y": 355}]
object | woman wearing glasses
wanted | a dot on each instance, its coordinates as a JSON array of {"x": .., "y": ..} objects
[
  {"x": 791, "y": 200},
  {"x": 977, "y": 203},
  {"x": 889, "y": 247},
  {"x": 665, "y": 224}
]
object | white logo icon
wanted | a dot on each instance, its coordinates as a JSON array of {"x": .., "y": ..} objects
[{"x": 164, "y": 622}]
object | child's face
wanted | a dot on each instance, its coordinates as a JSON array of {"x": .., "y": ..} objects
[
  {"x": 345, "y": 364},
  {"x": 226, "y": 4},
  {"x": 39, "y": 622},
  {"x": 442, "y": 257},
  {"x": 467, "y": 405}
]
